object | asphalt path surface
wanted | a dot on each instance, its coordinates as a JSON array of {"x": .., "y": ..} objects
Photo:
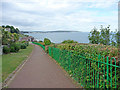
[{"x": 40, "y": 71}]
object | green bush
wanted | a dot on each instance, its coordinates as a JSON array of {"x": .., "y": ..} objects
[
  {"x": 6, "y": 50},
  {"x": 23, "y": 46},
  {"x": 40, "y": 41},
  {"x": 23, "y": 41},
  {"x": 94, "y": 49},
  {"x": 14, "y": 47},
  {"x": 17, "y": 47},
  {"x": 5, "y": 41},
  {"x": 47, "y": 41},
  {"x": 69, "y": 41},
  {"x": 27, "y": 43}
]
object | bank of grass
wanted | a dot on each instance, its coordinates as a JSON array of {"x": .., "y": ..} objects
[
  {"x": 0, "y": 70},
  {"x": 11, "y": 61}
]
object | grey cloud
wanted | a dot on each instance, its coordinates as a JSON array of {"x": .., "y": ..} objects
[
  {"x": 47, "y": 19},
  {"x": 17, "y": 21}
]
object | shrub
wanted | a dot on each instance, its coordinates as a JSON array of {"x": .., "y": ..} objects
[
  {"x": 23, "y": 46},
  {"x": 35, "y": 40},
  {"x": 5, "y": 41},
  {"x": 27, "y": 43},
  {"x": 14, "y": 47},
  {"x": 17, "y": 47},
  {"x": 40, "y": 41},
  {"x": 23, "y": 41},
  {"x": 69, "y": 41},
  {"x": 47, "y": 41},
  {"x": 6, "y": 50}
]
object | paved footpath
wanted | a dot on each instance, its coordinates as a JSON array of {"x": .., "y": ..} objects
[{"x": 40, "y": 71}]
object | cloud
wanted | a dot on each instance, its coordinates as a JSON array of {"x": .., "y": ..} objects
[{"x": 80, "y": 15}]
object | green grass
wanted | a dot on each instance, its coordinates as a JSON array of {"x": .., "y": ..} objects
[
  {"x": 0, "y": 69},
  {"x": 11, "y": 61}
]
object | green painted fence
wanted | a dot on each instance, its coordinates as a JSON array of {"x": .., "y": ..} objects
[
  {"x": 39, "y": 45},
  {"x": 98, "y": 72}
]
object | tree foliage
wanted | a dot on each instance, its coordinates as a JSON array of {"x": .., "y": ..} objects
[
  {"x": 69, "y": 41},
  {"x": 8, "y": 38},
  {"x": 47, "y": 41},
  {"x": 12, "y": 29},
  {"x": 6, "y": 49},
  {"x": 117, "y": 37},
  {"x": 104, "y": 36},
  {"x": 94, "y": 36}
]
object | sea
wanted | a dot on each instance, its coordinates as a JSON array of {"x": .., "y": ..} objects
[{"x": 58, "y": 37}]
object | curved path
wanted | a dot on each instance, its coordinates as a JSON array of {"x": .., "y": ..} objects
[{"x": 40, "y": 71}]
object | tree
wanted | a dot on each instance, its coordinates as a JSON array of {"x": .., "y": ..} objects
[
  {"x": 113, "y": 43},
  {"x": 3, "y": 26},
  {"x": 69, "y": 41},
  {"x": 8, "y": 37},
  {"x": 5, "y": 37},
  {"x": 47, "y": 41},
  {"x": 16, "y": 37},
  {"x": 17, "y": 30},
  {"x": 94, "y": 36},
  {"x": 117, "y": 37},
  {"x": 7, "y": 26},
  {"x": 12, "y": 29},
  {"x": 105, "y": 35}
]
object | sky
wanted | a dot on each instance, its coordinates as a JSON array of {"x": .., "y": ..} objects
[{"x": 71, "y": 15}]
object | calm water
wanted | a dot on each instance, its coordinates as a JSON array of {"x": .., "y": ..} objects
[{"x": 58, "y": 37}]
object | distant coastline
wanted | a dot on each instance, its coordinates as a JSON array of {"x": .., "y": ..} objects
[
  {"x": 59, "y": 36},
  {"x": 45, "y": 31}
]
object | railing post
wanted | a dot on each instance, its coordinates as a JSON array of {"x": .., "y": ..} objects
[
  {"x": 89, "y": 73},
  {"x": 69, "y": 60},
  {"x": 104, "y": 70},
  {"x": 111, "y": 72},
  {"x": 107, "y": 71},
  {"x": 115, "y": 75},
  {"x": 98, "y": 71}
]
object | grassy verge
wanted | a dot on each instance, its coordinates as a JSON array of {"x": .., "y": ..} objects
[{"x": 11, "y": 61}]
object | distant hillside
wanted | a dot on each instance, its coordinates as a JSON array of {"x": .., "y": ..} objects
[{"x": 45, "y": 31}]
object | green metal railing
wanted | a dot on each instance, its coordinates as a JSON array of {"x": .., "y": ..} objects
[
  {"x": 89, "y": 70},
  {"x": 39, "y": 45}
]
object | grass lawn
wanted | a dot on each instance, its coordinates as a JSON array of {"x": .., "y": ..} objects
[
  {"x": 0, "y": 70},
  {"x": 11, "y": 61}
]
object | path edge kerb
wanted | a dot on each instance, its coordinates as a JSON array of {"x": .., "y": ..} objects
[{"x": 14, "y": 73}]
